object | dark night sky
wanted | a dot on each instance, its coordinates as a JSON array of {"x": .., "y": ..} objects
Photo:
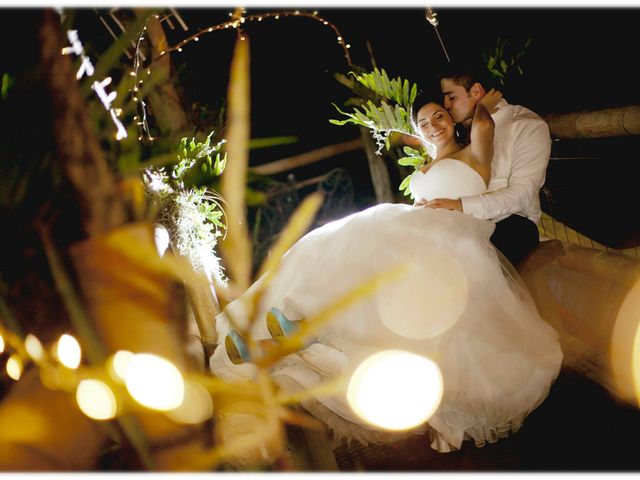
[{"x": 579, "y": 59}]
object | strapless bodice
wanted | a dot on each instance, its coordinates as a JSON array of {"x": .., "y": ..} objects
[{"x": 447, "y": 178}]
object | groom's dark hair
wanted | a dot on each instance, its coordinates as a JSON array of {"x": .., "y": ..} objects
[{"x": 466, "y": 74}]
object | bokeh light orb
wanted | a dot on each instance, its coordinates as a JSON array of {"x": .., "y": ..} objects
[
  {"x": 33, "y": 347},
  {"x": 433, "y": 304},
  {"x": 14, "y": 367},
  {"x": 196, "y": 407},
  {"x": 154, "y": 382},
  {"x": 96, "y": 400},
  {"x": 395, "y": 389},
  {"x": 68, "y": 351},
  {"x": 118, "y": 364}
]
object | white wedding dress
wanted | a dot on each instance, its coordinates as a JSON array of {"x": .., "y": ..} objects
[{"x": 460, "y": 304}]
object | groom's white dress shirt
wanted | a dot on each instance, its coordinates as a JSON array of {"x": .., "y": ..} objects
[{"x": 522, "y": 146}]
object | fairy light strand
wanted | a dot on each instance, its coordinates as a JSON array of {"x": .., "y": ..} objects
[
  {"x": 136, "y": 67},
  {"x": 236, "y": 21}
]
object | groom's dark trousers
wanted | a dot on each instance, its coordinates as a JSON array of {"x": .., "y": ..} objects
[{"x": 515, "y": 236}]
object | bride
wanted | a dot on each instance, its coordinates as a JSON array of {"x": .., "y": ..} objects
[{"x": 461, "y": 304}]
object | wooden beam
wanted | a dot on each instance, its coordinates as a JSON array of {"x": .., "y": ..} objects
[
  {"x": 307, "y": 158},
  {"x": 610, "y": 122}
]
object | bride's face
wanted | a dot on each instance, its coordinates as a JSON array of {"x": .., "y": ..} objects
[{"x": 435, "y": 123}]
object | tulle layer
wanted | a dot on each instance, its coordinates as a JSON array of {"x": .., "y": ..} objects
[{"x": 459, "y": 304}]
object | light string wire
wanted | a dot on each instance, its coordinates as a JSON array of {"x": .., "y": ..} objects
[
  {"x": 236, "y": 22},
  {"x": 431, "y": 17}
]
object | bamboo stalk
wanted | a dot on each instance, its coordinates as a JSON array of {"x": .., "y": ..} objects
[
  {"x": 592, "y": 299},
  {"x": 307, "y": 158},
  {"x": 378, "y": 169},
  {"x": 610, "y": 122}
]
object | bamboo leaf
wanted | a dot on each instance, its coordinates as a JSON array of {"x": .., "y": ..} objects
[{"x": 236, "y": 247}]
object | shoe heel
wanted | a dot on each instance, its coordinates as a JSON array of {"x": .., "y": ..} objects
[
  {"x": 280, "y": 326},
  {"x": 236, "y": 348}
]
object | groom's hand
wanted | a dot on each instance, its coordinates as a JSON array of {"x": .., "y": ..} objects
[{"x": 444, "y": 203}]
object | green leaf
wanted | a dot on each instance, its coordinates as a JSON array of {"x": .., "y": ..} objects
[
  {"x": 414, "y": 93},
  {"x": 504, "y": 66},
  {"x": 405, "y": 182},
  {"x": 410, "y": 161}
]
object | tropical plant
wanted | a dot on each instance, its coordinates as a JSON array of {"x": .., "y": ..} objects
[
  {"x": 192, "y": 214},
  {"x": 502, "y": 61},
  {"x": 384, "y": 106}
]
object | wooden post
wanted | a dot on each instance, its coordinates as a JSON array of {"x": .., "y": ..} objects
[
  {"x": 610, "y": 122},
  {"x": 378, "y": 169}
]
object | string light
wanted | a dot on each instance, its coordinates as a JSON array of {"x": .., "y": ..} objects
[
  {"x": 1, "y": 343},
  {"x": 196, "y": 407},
  {"x": 68, "y": 351},
  {"x": 235, "y": 22},
  {"x": 118, "y": 364},
  {"x": 96, "y": 400},
  {"x": 384, "y": 392},
  {"x": 34, "y": 348},
  {"x": 154, "y": 382},
  {"x": 14, "y": 367}
]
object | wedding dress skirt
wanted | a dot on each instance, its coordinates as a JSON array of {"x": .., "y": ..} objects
[{"x": 459, "y": 303}]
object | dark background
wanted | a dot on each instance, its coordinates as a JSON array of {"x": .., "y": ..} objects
[{"x": 578, "y": 59}]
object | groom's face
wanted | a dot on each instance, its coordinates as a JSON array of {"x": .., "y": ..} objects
[{"x": 458, "y": 101}]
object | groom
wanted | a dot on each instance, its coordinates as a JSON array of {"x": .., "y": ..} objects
[{"x": 522, "y": 146}]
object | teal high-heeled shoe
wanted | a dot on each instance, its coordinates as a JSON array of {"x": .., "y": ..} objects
[
  {"x": 280, "y": 326},
  {"x": 236, "y": 348}
]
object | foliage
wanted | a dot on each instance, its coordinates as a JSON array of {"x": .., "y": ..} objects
[
  {"x": 501, "y": 61},
  {"x": 385, "y": 108},
  {"x": 192, "y": 214}
]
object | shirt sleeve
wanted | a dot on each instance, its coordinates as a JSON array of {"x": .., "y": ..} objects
[{"x": 532, "y": 148}]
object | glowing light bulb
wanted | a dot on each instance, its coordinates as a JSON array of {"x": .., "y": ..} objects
[
  {"x": 396, "y": 390},
  {"x": 179, "y": 49},
  {"x": 118, "y": 364},
  {"x": 197, "y": 39},
  {"x": 154, "y": 382},
  {"x": 196, "y": 407},
  {"x": 325, "y": 23},
  {"x": 1, "y": 344},
  {"x": 348, "y": 45},
  {"x": 339, "y": 39},
  {"x": 277, "y": 17},
  {"x": 14, "y": 367},
  {"x": 68, "y": 351},
  {"x": 96, "y": 400},
  {"x": 33, "y": 347},
  {"x": 211, "y": 29}
]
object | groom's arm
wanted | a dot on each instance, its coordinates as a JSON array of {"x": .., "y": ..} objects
[{"x": 532, "y": 148}]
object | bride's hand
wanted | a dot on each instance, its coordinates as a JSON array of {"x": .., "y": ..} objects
[{"x": 490, "y": 100}]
